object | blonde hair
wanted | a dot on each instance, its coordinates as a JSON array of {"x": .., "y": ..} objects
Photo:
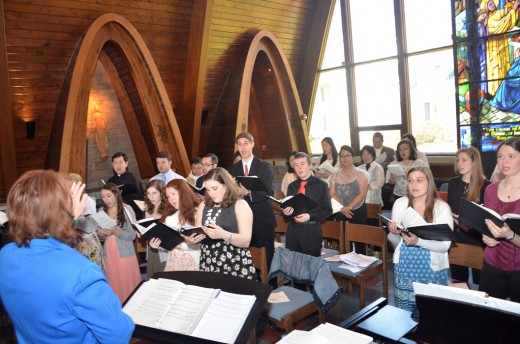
[{"x": 431, "y": 193}]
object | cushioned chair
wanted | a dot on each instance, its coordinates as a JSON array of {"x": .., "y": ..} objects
[
  {"x": 370, "y": 235},
  {"x": 300, "y": 268},
  {"x": 260, "y": 261},
  {"x": 333, "y": 235}
]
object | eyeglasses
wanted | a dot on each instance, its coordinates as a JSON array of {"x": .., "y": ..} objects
[{"x": 345, "y": 155}]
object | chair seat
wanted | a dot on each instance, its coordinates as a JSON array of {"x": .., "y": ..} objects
[
  {"x": 299, "y": 299},
  {"x": 328, "y": 252},
  {"x": 336, "y": 270}
]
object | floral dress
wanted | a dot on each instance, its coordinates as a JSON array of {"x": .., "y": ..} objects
[{"x": 223, "y": 257}]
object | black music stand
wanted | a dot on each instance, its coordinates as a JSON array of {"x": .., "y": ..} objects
[{"x": 228, "y": 283}]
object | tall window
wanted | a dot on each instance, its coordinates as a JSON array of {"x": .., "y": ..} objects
[{"x": 392, "y": 72}]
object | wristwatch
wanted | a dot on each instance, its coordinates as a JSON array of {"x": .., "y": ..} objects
[{"x": 512, "y": 237}]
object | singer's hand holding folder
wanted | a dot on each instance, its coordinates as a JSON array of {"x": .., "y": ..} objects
[
  {"x": 299, "y": 202},
  {"x": 475, "y": 215},
  {"x": 428, "y": 231},
  {"x": 168, "y": 235},
  {"x": 252, "y": 183}
]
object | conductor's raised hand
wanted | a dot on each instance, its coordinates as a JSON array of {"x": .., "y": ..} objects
[{"x": 79, "y": 198}]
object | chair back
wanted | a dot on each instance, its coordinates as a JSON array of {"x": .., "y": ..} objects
[
  {"x": 373, "y": 211},
  {"x": 260, "y": 261},
  {"x": 333, "y": 235},
  {"x": 466, "y": 255},
  {"x": 443, "y": 195},
  {"x": 364, "y": 234},
  {"x": 281, "y": 226}
]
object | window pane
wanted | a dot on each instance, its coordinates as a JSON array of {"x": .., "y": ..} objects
[
  {"x": 433, "y": 108},
  {"x": 373, "y": 29},
  {"x": 334, "y": 55},
  {"x": 330, "y": 112},
  {"x": 390, "y": 138},
  {"x": 427, "y": 24},
  {"x": 377, "y": 93}
]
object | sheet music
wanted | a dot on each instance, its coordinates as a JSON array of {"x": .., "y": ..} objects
[
  {"x": 304, "y": 337},
  {"x": 381, "y": 158},
  {"x": 225, "y": 317},
  {"x": 357, "y": 259},
  {"x": 336, "y": 206},
  {"x": 396, "y": 169},
  {"x": 103, "y": 220},
  {"x": 3, "y": 218},
  {"x": 336, "y": 334}
]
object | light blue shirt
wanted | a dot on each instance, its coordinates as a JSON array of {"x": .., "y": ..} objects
[{"x": 167, "y": 177}]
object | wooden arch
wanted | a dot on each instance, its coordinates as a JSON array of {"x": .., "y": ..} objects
[
  {"x": 268, "y": 104},
  {"x": 146, "y": 108}
]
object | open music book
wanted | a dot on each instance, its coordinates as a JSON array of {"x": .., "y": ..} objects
[
  {"x": 173, "y": 306},
  {"x": 169, "y": 236},
  {"x": 326, "y": 334},
  {"x": 474, "y": 216},
  {"x": 396, "y": 169},
  {"x": 201, "y": 191},
  {"x": 92, "y": 223},
  {"x": 424, "y": 230},
  {"x": 299, "y": 202}
]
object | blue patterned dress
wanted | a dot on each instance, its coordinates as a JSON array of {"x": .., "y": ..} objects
[{"x": 414, "y": 266}]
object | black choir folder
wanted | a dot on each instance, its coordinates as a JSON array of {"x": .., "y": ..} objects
[
  {"x": 201, "y": 191},
  {"x": 173, "y": 306},
  {"x": 474, "y": 216},
  {"x": 299, "y": 202},
  {"x": 252, "y": 183},
  {"x": 157, "y": 229},
  {"x": 429, "y": 231}
]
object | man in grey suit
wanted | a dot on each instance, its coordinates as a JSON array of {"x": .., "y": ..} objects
[{"x": 264, "y": 221}]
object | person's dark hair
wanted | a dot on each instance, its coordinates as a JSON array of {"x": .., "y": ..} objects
[
  {"x": 377, "y": 134},
  {"x": 246, "y": 136},
  {"x": 333, "y": 151},
  {"x": 223, "y": 177},
  {"x": 287, "y": 162},
  {"x": 214, "y": 158},
  {"x": 348, "y": 149},
  {"x": 196, "y": 160},
  {"x": 370, "y": 150},
  {"x": 188, "y": 202},
  {"x": 159, "y": 186},
  {"x": 119, "y": 155},
  {"x": 513, "y": 142},
  {"x": 431, "y": 193},
  {"x": 410, "y": 137},
  {"x": 300, "y": 155},
  {"x": 39, "y": 205},
  {"x": 164, "y": 155},
  {"x": 121, "y": 220},
  {"x": 413, "y": 153}
]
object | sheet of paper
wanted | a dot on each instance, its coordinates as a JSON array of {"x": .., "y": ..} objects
[
  {"x": 396, "y": 169},
  {"x": 336, "y": 334},
  {"x": 278, "y": 297},
  {"x": 140, "y": 204},
  {"x": 3, "y": 218},
  {"x": 336, "y": 206},
  {"x": 381, "y": 158},
  {"x": 225, "y": 317},
  {"x": 304, "y": 337}
]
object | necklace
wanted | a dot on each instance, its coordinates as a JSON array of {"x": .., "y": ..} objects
[
  {"x": 510, "y": 193},
  {"x": 210, "y": 218}
]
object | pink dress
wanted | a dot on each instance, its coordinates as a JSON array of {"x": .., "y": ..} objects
[{"x": 182, "y": 257}]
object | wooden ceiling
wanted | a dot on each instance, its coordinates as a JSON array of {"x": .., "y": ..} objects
[{"x": 195, "y": 45}]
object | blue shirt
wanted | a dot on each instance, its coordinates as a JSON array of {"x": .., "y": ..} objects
[{"x": 53, "y": 294}]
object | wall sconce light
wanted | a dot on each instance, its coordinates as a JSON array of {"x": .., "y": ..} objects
[
  {"x": 30, "y": 128},
  {"x": 303, "y": 116}
]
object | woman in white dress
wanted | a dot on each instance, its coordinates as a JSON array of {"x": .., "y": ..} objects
[
  {"x": 406, "y": 158},
  {"x": 377, "y": 175},
  {"x": 329, "y": 160}
]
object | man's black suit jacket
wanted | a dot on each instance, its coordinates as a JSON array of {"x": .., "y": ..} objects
[{"x": 264, "y": 221}]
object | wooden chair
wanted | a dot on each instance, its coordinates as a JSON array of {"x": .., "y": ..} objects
[
  {"x": 443, "y": 195},
  {"x": 369, "y": 235},
  {"x": 373, "y": 211},
  {"x": 466, "y": 255},
  {"x": 301, "y": 305},
  {"x": 278, "y": 194},
  {"x": 140, "y": 246},
  {"x": 281, "y": 227},
  {"x": 333, "y": 235},
  {"x": 260, "y": 261}
]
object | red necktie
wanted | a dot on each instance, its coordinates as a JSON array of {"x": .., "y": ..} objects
[
  {"x": 246, "y": 170},
  {"x": 301, "y": 189}
]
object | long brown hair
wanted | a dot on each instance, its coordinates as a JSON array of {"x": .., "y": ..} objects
[
  {"x": 431, "y": 193},
  {"x": 159, "y": 186},
  {"x": 188, "y": 202},
  {"x": 223, "y": 177},
  {"x": 477, "y": 177},
  {"x": 39, "y": 205},
  {"x": 121, "y": 220}
]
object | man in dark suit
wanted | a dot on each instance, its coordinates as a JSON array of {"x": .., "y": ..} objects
[{"x": 264, "y": 221}]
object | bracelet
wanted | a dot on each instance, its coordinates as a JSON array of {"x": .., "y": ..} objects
[
  {"x": 228, "y": 241},
  {"x": 512, "y": 237}
]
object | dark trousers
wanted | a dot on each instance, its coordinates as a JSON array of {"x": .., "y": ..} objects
[
  {"x": 499, "y": 283},
  {"x": 304, "y": 238}
]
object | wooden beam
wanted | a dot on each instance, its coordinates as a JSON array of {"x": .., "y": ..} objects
[
  {"x": 314, "y": 53},
  {"x": 196, "y": 74},
  {"x": 7, "y": 152}
]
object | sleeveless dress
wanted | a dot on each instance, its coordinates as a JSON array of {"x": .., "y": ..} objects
[
  {"x": 223, "y": 257},
  {"x": 347, "y": 192}
]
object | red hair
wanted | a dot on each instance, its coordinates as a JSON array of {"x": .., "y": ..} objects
[{"x": 188, "y": 202}]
